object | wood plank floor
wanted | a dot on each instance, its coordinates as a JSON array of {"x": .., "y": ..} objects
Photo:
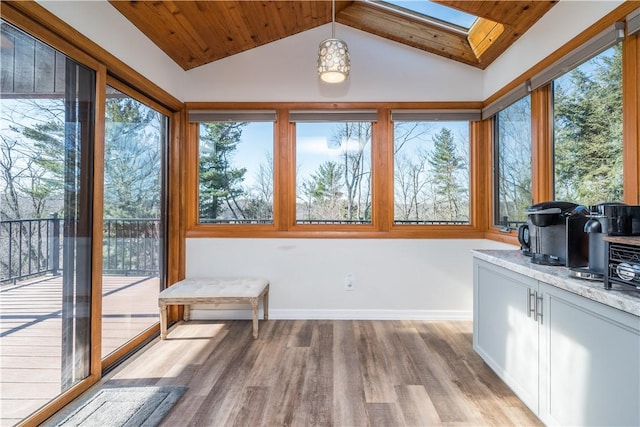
[{"x": 325, "y": 373}]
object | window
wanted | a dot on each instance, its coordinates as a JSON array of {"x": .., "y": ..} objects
[
  {"x": 235, "y": 180},
  {"x": 587, "y": 124},
  {"x": 431, "y": 172},
  {"x": 333, "y": 172},
  {"x": 433, "y": 10},
  {"x": 512, "y": 161}
]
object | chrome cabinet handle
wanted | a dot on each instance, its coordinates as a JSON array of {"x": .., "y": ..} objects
[
  {"x": 538, "y": 312},
  {"x": 530, "y": 307},
  {"x": 536, "y": 306}
]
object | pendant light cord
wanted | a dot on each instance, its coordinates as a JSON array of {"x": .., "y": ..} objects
[{"x": 333, "y": 19}]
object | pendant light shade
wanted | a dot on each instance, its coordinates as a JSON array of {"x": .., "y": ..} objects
[{"x": 334, "y": 62}]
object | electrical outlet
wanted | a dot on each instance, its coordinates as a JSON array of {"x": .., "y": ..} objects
[{"x": 349, "y": 282}]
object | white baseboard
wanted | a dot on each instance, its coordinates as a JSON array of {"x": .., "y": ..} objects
[{"x": 292, "y": 314}]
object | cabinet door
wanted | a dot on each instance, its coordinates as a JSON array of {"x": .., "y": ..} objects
[
  {"x": 503, "y": 333},
  {"x": 590, "y": 362}
]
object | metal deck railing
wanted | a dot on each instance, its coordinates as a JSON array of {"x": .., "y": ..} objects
[{"x": 33, "y": 247}]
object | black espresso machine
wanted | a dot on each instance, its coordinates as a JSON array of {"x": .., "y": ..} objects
[
  {"x": 609, "y": 219},
  {"x": 554, "y": 234}
]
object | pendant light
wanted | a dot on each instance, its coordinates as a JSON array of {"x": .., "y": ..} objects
[{"x": 333, "y": 55}]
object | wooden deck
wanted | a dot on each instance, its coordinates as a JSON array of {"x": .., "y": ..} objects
[{"x": 30, "y": 335}]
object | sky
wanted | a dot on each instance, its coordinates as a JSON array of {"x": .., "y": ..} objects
[
  {"x": 434, "y": 10},
  {"x": 313, "y": 147}
]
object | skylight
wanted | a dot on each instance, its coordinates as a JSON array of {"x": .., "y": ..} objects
[{"x": 436, "y": 11}]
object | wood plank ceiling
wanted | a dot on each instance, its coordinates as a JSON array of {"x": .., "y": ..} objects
[{"x": 194, "y": 33}]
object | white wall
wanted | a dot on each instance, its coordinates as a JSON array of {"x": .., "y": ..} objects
[
  {"x": 563, "y": 22},
  {"x": 394, "y": 278},
  {"x": 381, "y": 70},
  {"x": 105, "y": 26}
]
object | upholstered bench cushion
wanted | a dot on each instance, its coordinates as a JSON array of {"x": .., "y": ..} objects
[
  {"x": 214, "y": 290},
  {"x": 215, "y": 287}
]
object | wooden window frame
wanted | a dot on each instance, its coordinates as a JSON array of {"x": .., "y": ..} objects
[
  {"x": 548, "y": 109},
  {"x": 318, "y": 229},
  {"x": 412, "y": 229},
  {"x": 242, "y": 228},
  {"x": 151, "y": 331},
  {"x": 541, "y": 119},
  {"x": 284, "y": 225},
  {"x": 631, "y": 119},
  {"x": 495, "y": 133}
]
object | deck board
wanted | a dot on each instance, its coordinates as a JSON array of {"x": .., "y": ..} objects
[{"x": 30, "y": 335}]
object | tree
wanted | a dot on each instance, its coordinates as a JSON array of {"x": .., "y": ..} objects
[
  {"x": 411, "y": 178},
  {"x": 340, "y": 188},
  {"x": 514, "y": 160},
  {"x": 322, "y": 193},
  {"x": 260, "y": 203},
  {"x": 588, "y": 131},
  {"x": 133, "y": 156},
  {"x": 220, "y": 182},
  {"x": 353, "y": 138},
  {"x": 31, "y": 158},
  {"x": 446, "y": 166},
  {"x": 31, "y": 171}
]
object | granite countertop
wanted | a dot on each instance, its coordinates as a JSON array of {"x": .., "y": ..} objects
[{"x": 620, "y": 297}]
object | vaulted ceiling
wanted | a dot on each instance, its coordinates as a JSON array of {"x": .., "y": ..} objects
[{"x": 194, "y": 33}]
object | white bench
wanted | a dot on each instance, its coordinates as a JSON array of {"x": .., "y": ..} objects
[{"x": 213, "y": 291}]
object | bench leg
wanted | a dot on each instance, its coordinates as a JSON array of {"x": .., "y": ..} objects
[
  {"x": 163, "y": 322},
  {"x": 254, "y": 312},
  {"x": 186, "y": 313},
  {"x": 265, "y": 305}
]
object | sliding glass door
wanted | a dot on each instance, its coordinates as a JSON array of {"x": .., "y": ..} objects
[
  {"x": 46, "y": 198},
  {"x": 52, "y": 333},
  {"x": 133, "y": 239}
]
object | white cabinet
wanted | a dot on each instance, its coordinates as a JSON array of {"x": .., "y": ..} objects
[
  {"x": 573, "y": 361},
  {"x": 504, "y": 333},
  {"x": 589, "y": 361}
]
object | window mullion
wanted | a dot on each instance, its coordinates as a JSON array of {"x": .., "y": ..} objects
[
  {"x": 541, "y": 145},
  {"x": 284, "y": 168},
  {"x": 382, "y": 170},
  {"x": 631, "y": 119}
]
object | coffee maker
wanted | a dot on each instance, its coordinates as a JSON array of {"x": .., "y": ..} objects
[
  {"x": 606, "y": 219},
  {"x": 598, "y": 227},
  {"x": 556, "y": 234}
]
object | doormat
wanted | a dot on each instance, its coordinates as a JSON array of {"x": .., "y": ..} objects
[{"x": 125, "y": 406}]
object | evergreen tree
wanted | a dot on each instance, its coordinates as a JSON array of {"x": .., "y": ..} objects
[
  {"x": 45, "y": 179},
  {"x": 133, "y": 157},
  {"x": 31, "y": 158},
  {"x": 324, "y": 192},
  {"x": 446, "y": 165},
  {"x": 220, "y": 182},
  {"x": 588, "y": 131}
]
